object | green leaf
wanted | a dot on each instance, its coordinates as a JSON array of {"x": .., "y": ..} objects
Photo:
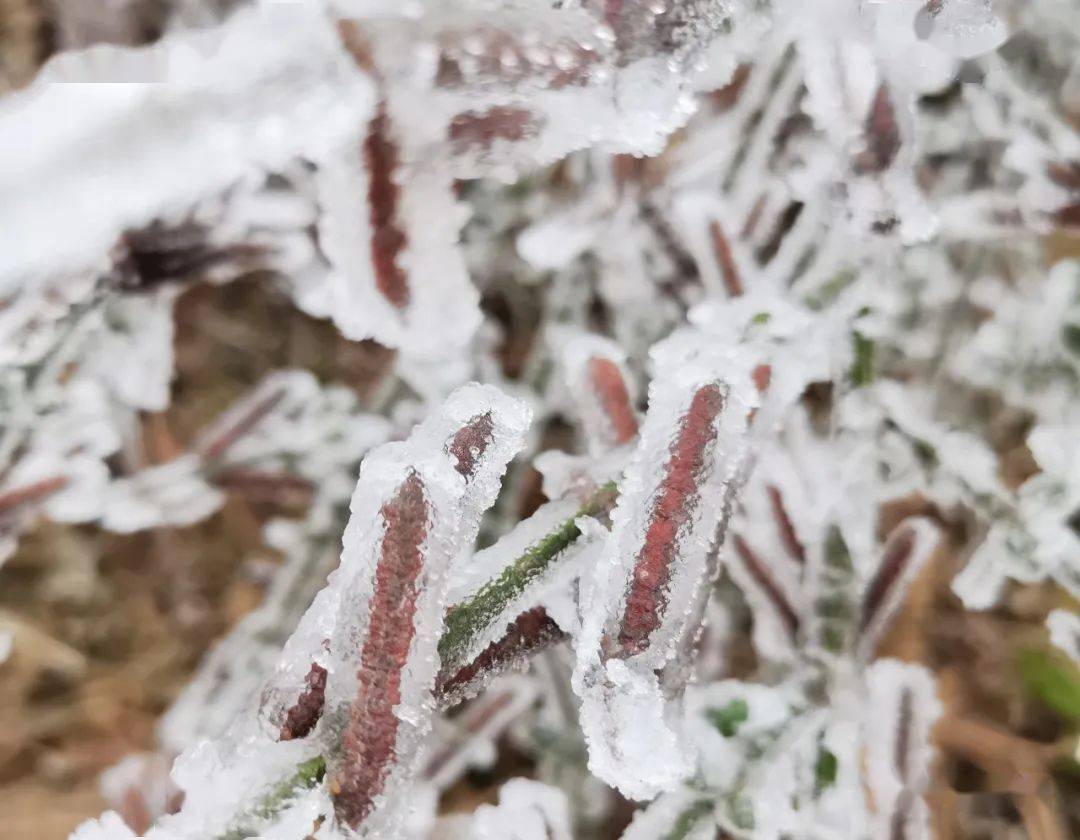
[
  {"x": 1070, "y": 335},
  {"x": 1054, "y": 679},
  {"x": 862, "y": 369},
  {"x": 729, "y": 718},
  {"x": 830, "y": 290},
  {"x": 307, "y": 775},
  {"x": 825, "y": 770},
  {"x": 837, "y": 554},
  {"x": 688, "y": 819}
]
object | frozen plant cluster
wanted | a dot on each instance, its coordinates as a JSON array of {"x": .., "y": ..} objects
[{"x": 780, "y": 265}]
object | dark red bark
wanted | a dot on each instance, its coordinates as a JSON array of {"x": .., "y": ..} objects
[
  {"x": 532, "y": 630},
  {"x": 387, "y": 238},
  {"x": 1066, "y": 174},
  {"x": 787, "y": 530},
  {"x": 765, "y": 582},
  {"x": 470, "y": 443},
  {"x": 305, "y": 713},
  {"x": 726, "y": 260},
  {"x": 480, "y": 129},
  {"x": 882, "y": 134},
  {"x": 35, "y": 492},
  {"x": 245, "y": 424},
  {"x": 762, "y": 376},
  {"x": 898, "y": 553},
  {"x": 673, "y": 505},
  {"x": 370, "y": 735},
  {"x": 607, "y": 384},
  {"x": 725, "y": 98}
]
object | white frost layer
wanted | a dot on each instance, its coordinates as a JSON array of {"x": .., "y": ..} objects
[
  {"x": 527, "y": 810},
  {"x": 1064, "y": 627},
  {"x": 179, "y": 120}
]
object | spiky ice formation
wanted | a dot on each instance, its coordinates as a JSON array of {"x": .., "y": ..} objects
[{"x": 644, "y": 602}]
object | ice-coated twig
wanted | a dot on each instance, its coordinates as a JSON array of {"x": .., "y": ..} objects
[
  {"x": 374, "y": 630},
  {"x": 527, "y": 634},
  {"x": 535, "y": 628},
  {"x": 465, "y": 740},
  {"x": 645, "y": 596},
  {"x": 600, "y": 389},
  {"x": 902, "y": 701},
  {"x": 396, "y": 602},
  {"x": 470, "y": 620}
]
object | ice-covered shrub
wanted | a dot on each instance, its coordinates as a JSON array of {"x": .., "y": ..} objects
[{"x": 780, "y": 259}]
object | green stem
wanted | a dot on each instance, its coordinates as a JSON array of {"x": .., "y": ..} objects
[
  {"x": 686, "y": 821},
  {"x": 467, "y": 620},
  {"x": 307, "y": 775}
]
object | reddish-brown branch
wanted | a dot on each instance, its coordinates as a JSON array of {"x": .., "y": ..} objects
[
  {"x": 882, "y": 134},
  {"x": 784, "y": 524},
  {"x": 480, "y": 129},
  {"x": 531, "y": 631},
  {"x": 370, "y": 735},
  {"x": 470, "y": 443},
  {"x": 725, "y": 98},
  {"x": 897, "y": 554},
  {"x": 768, "y": 585},
  {"x": 904, "y": 721},
  {"x": 272, "y": 487},
  {"x": 1066, "y": 174},
  {"x": 30, "y": 493},
  {"x": 305, "y": 713},
  {"x": 784, "y": 223},
  {"x": 217, "y": 447},
  {"x": 387, "y": 238},
  {"x": 606, "y": 382},
  {"x": 753, "y": 217},
  {"x": 475, "y": 720},
  {"x": 725, "y": 259},
  {"x": 762, "y": 376},
  {"x": 674, "y": 505}
]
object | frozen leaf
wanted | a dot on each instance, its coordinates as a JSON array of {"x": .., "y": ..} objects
[
  {"x": 389, "y": 220},
  {"x": 646, "y": 597},
  {"x": 902, "y": 702},
  {"x": 600, "y": 389}
]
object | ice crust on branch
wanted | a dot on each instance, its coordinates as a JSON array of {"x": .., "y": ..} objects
[
  {"x": 600, "y": 388},
  {"x": 374, "y": 630},
  {"x": 644, "y": 602},
  {"x": 414, "y": 513}
]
